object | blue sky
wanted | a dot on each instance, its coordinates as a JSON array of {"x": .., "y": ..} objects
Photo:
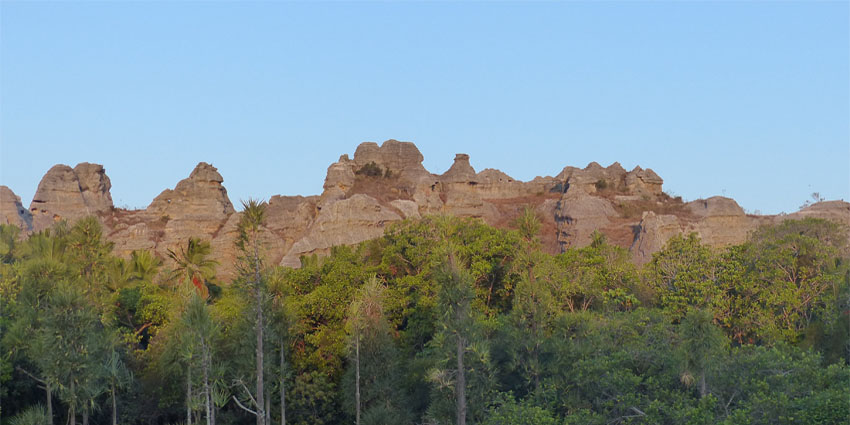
[{"x": 748, "y": 100}]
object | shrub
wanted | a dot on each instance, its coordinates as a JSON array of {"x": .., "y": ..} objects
[{"x": 370, "y": 170}]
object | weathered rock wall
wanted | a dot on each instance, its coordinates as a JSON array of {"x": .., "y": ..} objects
[{"x": 388, "y": 183}]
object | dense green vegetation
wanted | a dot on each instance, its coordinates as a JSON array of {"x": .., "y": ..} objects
[{"x": 440, "y": 321}]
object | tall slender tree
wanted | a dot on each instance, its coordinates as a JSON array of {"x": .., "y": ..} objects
[
  {"x": 455, "y": 298},
  {"x": 249, "y": 244},
  {"x": 199, "y": 330},
  {"x": 119, "y": 377}
]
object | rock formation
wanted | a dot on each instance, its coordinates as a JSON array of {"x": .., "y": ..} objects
[
  {"x": 70, "y": 194},
  {"x": 12, "y": 211},
  {"x": 579, "y": 215},
  {"x": 344, "y": 222},
  {"x": 387, "y": 183}
]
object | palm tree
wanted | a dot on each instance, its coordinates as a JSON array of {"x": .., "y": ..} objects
[
  {"x": 193, "y": 266},
  {"x": 143, "y": 265}
]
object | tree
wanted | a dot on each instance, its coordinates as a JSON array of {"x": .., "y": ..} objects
[
  {"x": 192, "y": 267},
  {"x": 29, "y": 332},
  {"x": 249, "y": 244},
  {"x": 72, "y": 343},
  {"x": 199, "y": 331},
  {"x": 280, "y": 321},
  {"x": 119, "y": 377},
  {"x": 798, "y": 269},
  {"x": 144, "y": 266},
  {"x": 685, "y": 276},
  {"x": 701, "y": 345},
  {"x": 378, "y": 397},
  {"x": 458, "y": 336},
  {"x": 529, "y": 329}
]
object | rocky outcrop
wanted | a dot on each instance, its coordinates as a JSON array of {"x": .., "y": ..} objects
[
  {"x": 717, "y": 220},
  {"x": 387, "y": 183},
  {"x": 838, "y": 211},
  {"x": 12, "y": 211},
  {"x": 643, "y": 181},
  {"x": 70, "y": 194},
  {"x": 201, "y": 195},
  {"x": 343, "y": 222},
  {"x": 94, "y": 186},
  {"x": 340, "y": 175},
  {"x": 578, "y": 215},
  {"x": 224, "y": 240},
  {"x": 460, "y": 171},
  {"x": 614, "y": 178},
  {"x": 198, "y": 205},
  {"x": 400, "y": 158},
  {"x": 654, "y": 232},
  {"x": 721, "y": 222}
]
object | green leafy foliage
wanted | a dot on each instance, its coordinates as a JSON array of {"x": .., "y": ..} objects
[{"x": 751, "y": 333}]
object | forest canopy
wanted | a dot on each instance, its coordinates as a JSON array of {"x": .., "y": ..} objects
[{"x": 442, "y": 320}]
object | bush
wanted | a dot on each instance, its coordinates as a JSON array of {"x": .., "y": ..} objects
[{"x": 370, "y": 170}]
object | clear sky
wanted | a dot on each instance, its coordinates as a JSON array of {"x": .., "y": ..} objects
[{"x": 749, "y": 100}]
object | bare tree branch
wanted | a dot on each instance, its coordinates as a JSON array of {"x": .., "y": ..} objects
[
  {"x": 40, "y": 381},
  {"x": 247, "y": 391},
  {"x": 243, "y": 406}
]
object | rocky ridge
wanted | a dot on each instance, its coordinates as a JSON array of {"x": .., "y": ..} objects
[{"x": 387, "y": 183}]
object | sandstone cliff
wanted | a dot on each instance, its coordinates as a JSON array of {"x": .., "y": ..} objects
[
  {"x": 387, "y": 183},
  {"x": 70, "y": 194}
]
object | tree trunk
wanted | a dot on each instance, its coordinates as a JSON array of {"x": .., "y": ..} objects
[
  {"x": 268, "y": 405},
  {"x": 205, "y": 366},
  {"x": 188, "y": 396},
  {"x": 72, "y": 411},
  {"x": 702, "y": 386},
  {"x": 211, "y": 401},
  {"x": 461, "y": 383},
  {"x": 49, "y": 404},
  {"x": 282, "y": 387},
  {"x": 85, "y": 416},
  {"x": 261, "y": 415},
  {"x": 114, "y": 406},
  {"x": 357, "y": 376}
]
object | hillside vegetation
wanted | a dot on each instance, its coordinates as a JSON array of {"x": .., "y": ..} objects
[{"x": 442, "y": 320}]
